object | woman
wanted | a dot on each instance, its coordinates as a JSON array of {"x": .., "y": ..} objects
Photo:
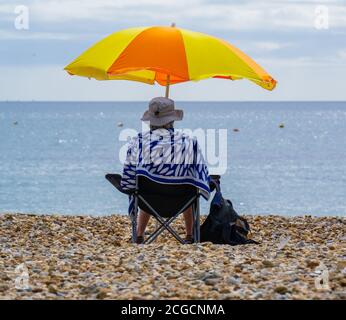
[{"x": 165, "y": 155}]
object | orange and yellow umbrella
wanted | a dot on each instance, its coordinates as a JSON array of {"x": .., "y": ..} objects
[{"x": 166, "y": 55}]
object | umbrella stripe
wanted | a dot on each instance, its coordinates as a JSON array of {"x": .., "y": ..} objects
[
  {"x": 160, "y": 49},
  {"x": 95, "y": 61},
  {"x": 262, "y": 77},
  {"x": 227, "y": 61},
  {"x": 249, "y": 67}
]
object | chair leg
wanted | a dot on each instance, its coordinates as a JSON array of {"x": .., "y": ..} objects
[
  {"x": 196, "y": 222},
  {"x": 194, "y": 235},
  {"x": 198, "y": 226},
  {"x": 134, "y": 221}
]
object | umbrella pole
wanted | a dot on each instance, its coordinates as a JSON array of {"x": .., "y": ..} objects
[
  {"x": 167, "y": 82},
  {"x": 167, "y": 86}
]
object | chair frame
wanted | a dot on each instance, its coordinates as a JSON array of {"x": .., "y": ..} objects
[{"x": 164, "y": 223}]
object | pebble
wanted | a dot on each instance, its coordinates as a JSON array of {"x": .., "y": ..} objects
[
  {"x": 267, "y": 264},
  {"x": 301, "y": 244},
  {"x": 52, "y": 289},
  {"x": 211, "y": 281},
  {"x": 102, "y": 294},
  {"x": 312, "y": 263},
  {"x": 233, "y": 281},
  {"x": 84, "y": 257},
  {"x": 3, "y": 287},
  {"x": 343, "y": 282},
  {"x": 281, "y": 290}
]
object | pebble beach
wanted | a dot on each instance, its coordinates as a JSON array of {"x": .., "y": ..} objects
[{"x": 84, "y": 257}]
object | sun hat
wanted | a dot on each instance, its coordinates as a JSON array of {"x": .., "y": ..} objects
[{"x": 161, "y": 111}]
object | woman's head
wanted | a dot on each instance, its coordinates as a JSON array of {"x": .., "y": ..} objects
[{"x": 162, "y": 114}]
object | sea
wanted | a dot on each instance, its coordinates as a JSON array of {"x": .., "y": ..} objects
[{"x": 283, "y": 158}]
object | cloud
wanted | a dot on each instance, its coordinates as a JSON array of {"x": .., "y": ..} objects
[
  {"x": 6, "y": 8},
  {"x": 216, "y": 15},
  {"x": 305, "y": 61},
  {"x": 106, "y": 10},
  {"x": 282, "y": 15},
  {"x": 25, "y": 35},
  {"x": 342, "y": 54},
  {"x": 271, "y": 46}
]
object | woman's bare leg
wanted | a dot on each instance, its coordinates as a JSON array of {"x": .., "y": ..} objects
[
  {"x": 188, "y": 221},
  {"x": 143, "y": 219}
]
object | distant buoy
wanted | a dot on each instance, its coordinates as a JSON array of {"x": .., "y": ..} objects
[
  {"x": 120, "y": 124},
  {"x": 236, "y": 130},
  {"x": 281, "y": 125}
]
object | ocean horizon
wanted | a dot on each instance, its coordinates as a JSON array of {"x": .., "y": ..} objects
[{"x": 283, "y": 157}]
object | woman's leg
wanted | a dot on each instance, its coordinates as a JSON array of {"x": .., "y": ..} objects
[
  {"x": 188, "y": 221},
  {"x": 143, "y": 219}
]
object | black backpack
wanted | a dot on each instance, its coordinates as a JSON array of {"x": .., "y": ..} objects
[{"x": 223, "y": 225}]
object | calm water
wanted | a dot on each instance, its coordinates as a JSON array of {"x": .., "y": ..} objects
[{"x": 54, "y": 159}]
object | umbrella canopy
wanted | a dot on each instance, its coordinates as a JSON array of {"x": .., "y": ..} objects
[{"x": 166, "y": 55}]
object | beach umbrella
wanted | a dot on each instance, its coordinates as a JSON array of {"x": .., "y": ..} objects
[{"x": 166, "y": 55}]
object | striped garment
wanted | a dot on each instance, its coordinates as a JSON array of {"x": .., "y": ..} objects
[{"x": 165, "y": 156}]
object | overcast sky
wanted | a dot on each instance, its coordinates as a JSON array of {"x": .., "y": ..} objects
[{"x": 309, "y": 63}]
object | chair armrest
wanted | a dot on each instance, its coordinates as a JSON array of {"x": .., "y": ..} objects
[{"x": 115, "y": 180}]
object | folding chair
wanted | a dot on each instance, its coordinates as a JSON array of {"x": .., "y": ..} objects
[{"x": 165, "y": 202}]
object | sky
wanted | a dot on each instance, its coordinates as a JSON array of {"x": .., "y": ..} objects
[{"x": 302, "y": 44}]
